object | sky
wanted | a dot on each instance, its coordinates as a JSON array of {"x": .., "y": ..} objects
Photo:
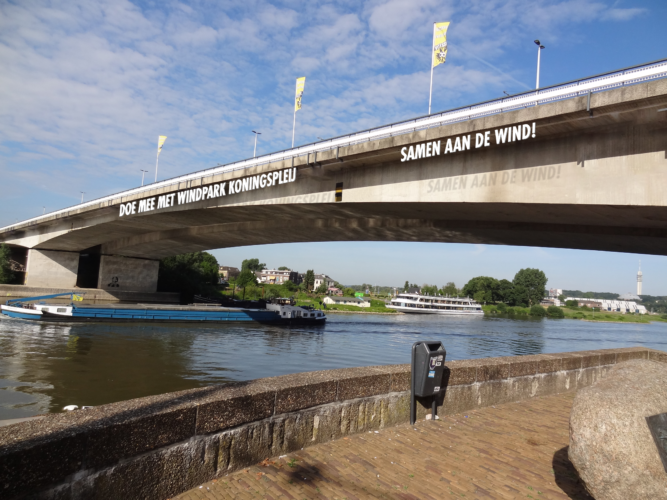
[{"x": 87, "y": 87}]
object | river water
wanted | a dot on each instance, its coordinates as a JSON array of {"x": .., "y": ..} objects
[{"x": 44, "y": 367}]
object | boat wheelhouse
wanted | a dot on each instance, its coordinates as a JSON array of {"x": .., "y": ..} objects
[{"x": 414, "y": 303}]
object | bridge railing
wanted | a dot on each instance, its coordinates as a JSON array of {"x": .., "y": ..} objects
[{"x": 592, "y": 84}]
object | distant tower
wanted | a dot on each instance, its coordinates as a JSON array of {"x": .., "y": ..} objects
[{"x": 639, "y": 279}]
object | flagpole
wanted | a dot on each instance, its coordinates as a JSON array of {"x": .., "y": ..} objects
[
  {"x": 156, "y": 160},
  {"x": 293, "y": 126},
  {"x": 430, "y": 91}
]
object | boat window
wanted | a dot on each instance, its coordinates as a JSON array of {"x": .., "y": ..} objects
[{"x": 61, "y": 310}]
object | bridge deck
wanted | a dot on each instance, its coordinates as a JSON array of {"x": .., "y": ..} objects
[{"x": 517, "y": 450}]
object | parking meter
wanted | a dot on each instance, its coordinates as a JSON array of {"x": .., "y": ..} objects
[{"x": 428, "y": 364}]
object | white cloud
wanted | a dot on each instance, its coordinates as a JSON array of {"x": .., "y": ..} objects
[{"x": 88, "y": 86}]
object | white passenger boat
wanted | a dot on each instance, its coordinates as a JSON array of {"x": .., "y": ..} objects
[{"x": 428, "y": 304}]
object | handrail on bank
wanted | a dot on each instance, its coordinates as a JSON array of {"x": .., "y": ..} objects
[{"x": 592, "y": 84}]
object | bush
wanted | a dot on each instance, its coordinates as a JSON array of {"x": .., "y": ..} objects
[
  {"x": 571, "y": 303},
  {"x": 538, "y": 311},
  {"x": 555, "y": 312},
  {"x": 502, "y": 307}
]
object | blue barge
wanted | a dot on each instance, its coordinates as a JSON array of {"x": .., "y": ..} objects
[{"x": 27, "y": 308}]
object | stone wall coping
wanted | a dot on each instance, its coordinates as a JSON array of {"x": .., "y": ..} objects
[{"x": 58, "y": 445}]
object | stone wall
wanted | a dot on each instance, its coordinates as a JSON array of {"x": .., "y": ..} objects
[{"x": 158, "y": 446}]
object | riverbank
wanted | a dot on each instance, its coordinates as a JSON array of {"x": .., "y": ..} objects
[
  {"x": 584, "y": 314},
  {"x": 394, "y": 313}
]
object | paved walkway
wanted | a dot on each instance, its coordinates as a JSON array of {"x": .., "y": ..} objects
[{"x": 516, "y": 450}]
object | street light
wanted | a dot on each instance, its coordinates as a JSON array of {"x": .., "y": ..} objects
[
  {"x": 254, "y": 153},
  {"x": 142, "y": 176},
  {"x": 82, "y": 193},
  {"x": 539, "y": 50}
]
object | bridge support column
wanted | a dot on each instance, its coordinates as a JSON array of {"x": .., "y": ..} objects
[
  {"x": 52, "y": 268},
  {"x": 127, "y": 274}
]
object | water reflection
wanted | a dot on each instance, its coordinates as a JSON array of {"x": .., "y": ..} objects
[{"x": 45, "y": 367}]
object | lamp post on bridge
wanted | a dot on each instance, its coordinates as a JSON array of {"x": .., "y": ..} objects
[
  {"x": 539, "y": 51},
  {"x": 143, "y": 172},
  {"x": 254, "y": 153}
]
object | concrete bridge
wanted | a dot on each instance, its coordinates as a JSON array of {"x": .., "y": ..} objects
[{"x": 581, "y": 165}]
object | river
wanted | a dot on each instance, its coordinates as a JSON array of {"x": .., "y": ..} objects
[{"x": 44, "y": 367}]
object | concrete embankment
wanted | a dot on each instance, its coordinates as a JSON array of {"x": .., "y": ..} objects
[
  {"x": 90, "y": 295},
  {"x": 159, "y": 446}
]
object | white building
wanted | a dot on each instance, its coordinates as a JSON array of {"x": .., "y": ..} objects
[
  {"x": 277, "y": 276},
  {"x": 323, "y": 278},
  {"x": 622, "y": 306},
  {"x": 640, "y": 277},
  {"x": 555, "y": 292},
  {"x": 346, "y": 301}
]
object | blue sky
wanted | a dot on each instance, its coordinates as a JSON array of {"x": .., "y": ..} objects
[{"x": 86, "y": 88}]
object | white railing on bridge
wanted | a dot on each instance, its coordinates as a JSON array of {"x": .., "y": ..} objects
[{"x": 598, "y": 83}]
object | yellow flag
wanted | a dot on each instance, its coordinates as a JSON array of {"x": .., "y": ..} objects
[
  {"x": 160, "y": 143},
  {"x": 77, "y": 298},
  {"x": 300, "y": 84},
  {"x": 439, "y": 43}
]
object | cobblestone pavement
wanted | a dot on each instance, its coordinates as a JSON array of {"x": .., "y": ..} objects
[{"x": 516, "y": 450}]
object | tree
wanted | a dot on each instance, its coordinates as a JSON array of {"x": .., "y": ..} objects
[
  {"x": 290, "y": 286},
  {"x": 505, "y": 291},
  {"x": 189, "y": 274},
  {"x": 562, "y": 297},
  {"x": 284, "y": 268},
  {"x": 483, "y": 284},
  {"x": 348, "y": 292},
  {"x": 253, "y": 265},
  {"x": 519, "y": 296},
  {"x": 6, "y": 273},
  {"x": 480, "y": 296},
  {"x": 245, "y": 279},
  {"x": 534, "y": 282},
  {"x": 322, "y": 288},
  {"x": 309, "y": 279},
  {"x": 272, "y": 293},
  {"x": 406, "y": 286},
  {"x": 450, "y": 289},
  {"x": 429, "y": 290}
]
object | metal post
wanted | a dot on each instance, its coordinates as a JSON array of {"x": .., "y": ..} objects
[
  {"x": 537, "y": 82},
  {"x": 143, "y": 172},
  {"x": 413, "y": 403},
  {"x": 293, "y": 127},
  {"x": 156, "y": 160},
  {"x": 434, "y": 404},
  {"x": 539, "y": 51},
  {"x": 430, "y": 91},
  {"x": 82, "y": 193},
  {"x": 254, "y": 153}
]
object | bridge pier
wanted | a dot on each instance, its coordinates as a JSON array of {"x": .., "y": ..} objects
[
  {"x": 89, "y": 269},
  {"x": 127, "y": 273},
  {"x": 52, "y": 268}
]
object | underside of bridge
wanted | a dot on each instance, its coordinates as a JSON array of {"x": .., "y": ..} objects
[{"x": 589, "y": 179}]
